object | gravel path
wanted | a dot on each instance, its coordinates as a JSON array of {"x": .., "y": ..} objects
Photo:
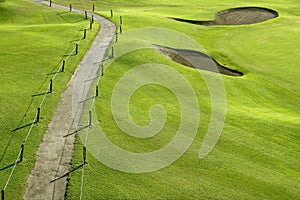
[{"x": 48, "y": 179}]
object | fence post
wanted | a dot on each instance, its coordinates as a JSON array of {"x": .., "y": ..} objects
[
  {"x": 22, "y": 152},
  {"x": 63, "y": 66},
  {"x": 121, "y": 20},
  {"x": 90, "y": 118},
  {"x": 91, "y": 25},
  {"x": 76, "y": 49},
  {"x": 84, "y": 155},
  {"x": 2, "y": 194},
  {"x": 112, "y": 51},
  {"x": 50, "y": 3},
  {"x": 116, "y": 37},
  {"x": 97, "y": 91},
  {"x": 92, "y": 18},
  {"x": 50, "y": 86},
  {"x": 93, "y": 7},
  {"x": 121, "y": 29},
  {"x": 84, "y": 33},
  {"x": 85, "y": 13},
  {"x": 38, "y": 115},
  {"x": 111, "y": 13},
  {"x": 102, "y": 70},
  {"x": 70, "y": 7}
]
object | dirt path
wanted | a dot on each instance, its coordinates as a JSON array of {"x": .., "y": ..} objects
[{"x": 48, "y": 179}]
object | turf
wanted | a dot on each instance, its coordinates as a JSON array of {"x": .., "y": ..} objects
[
  {"x": 34, "y": 40},
  {"x": 258, "y": 153}
]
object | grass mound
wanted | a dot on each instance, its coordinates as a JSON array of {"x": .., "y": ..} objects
[
  {"x": 237, "y": 16},
  {"x": 195, "y": 59}
]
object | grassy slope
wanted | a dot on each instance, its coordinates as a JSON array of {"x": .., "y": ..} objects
[
  {"x": 34, "y": 40},
  {"x": 257, "y": 155}
]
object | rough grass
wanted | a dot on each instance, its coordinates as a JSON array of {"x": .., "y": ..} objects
[{"x": 34, "y": 40}]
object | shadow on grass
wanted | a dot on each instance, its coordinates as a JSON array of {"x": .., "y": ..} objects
[
  {"x": 67, "y": 174},
  {"x": 8, "y": 166},
  {"x": 77, "y": 131},
  {"x": 21, "y": 127},
  {"x": 53, "y": 73},
  {"x": 41, "y": 94}
]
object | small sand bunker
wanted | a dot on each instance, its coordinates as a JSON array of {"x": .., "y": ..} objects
[
  {"x": 195, "y": 59},
  {"x": 237, "y": 16}
]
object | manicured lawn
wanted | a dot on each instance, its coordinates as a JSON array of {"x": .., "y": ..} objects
[
  {"x": 257, "y": 154},
  {"x": 34, "y": 40}
]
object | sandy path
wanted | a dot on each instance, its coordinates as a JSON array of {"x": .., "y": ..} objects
[{"x": 48, "y": 179}]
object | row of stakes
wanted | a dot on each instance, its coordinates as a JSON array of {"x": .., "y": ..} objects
[
  {"x": 62, "y": 70},
  {"x": 102, "y": 68},
  {"x": 51, "y": 90},
  {"x": 23, "y": 147},
  {"x": 92, "y": 21},
  {"x": 71, "y": 6}
]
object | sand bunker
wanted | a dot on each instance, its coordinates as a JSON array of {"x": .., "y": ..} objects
[
  {"x": 195, "y": 59},
  {"x": 237, "y": 16}
]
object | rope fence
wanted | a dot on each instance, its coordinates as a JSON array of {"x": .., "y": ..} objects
[
  {"x": 36, "y": 118},
  {"x": 100, "y": 75},
  {"x": 61, "y": 68}
]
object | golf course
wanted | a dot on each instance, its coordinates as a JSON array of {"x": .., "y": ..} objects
[{"x": 192, "y": 100}]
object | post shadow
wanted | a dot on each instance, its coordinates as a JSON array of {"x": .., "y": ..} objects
[
  {"x": 87, "y": 99},
  {"x": 8, "y": 166},
  {"x": 76, "y": 131},
  {"x": 21, "y": 127},
  {"x": 67, "y": 174},
  {"x": 41, "y": 94}
]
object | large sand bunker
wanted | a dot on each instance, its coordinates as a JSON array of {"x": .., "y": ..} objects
[
  {"x": 195, "y": 59},
  {"x": 237, "y": 16}
]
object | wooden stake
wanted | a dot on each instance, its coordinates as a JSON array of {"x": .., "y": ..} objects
[
  {"x": 92, "y": 18},
  {"x": 22, "y": 152},
  {"x": 76, "y": 49},
  {"x": 90, "y": 118},
  {"x": 50, "y": 3},
  {"x": 63, "y": 66},
  {"x": 38, "y": 115},
  {"x": 2, "y": 194},
  {"x": 85, "y": 13},
  {"x": 112, "y": 51},
  {"x": 70, "y": 7},
  {"x": 93, "y": 7},
  {"x": 97, "y": 91},
  {"x": 102, "y": 70},
  {"x": 84, "y": 33},
  {"x": 121, "y": 29},
  {"x": 84, "y": 155},
  {"x": 116, "y": 37},
  {"x": 50, "y": 86},
  {"x": 111, "y": 13},
  {"x": 91, "y": 25},
  {"x": 121, "y": 20}
]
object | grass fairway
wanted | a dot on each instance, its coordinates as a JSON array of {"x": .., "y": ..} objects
[
  {"x": 34, "y": 40},
  {"x": 258, "y": 153}
]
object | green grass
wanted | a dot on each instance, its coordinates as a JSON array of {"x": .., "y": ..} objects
[
  {"x": 34, "y": 40},
  {"x": 258, "y": 154}
]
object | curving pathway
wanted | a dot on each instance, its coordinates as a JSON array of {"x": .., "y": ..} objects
[{"x": 48, "y": 179}]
